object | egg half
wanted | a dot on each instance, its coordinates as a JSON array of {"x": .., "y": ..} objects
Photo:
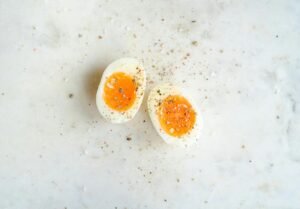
[
  {"x": 173, "y": 114},
  {"x": 121, "y": 90}
]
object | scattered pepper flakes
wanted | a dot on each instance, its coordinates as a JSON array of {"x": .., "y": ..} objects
[
  {"x": 71, "y": 95},
  {"x": 79, "y": 35},
  {"x": 128, "y": 138},
  {"x": 100, "y": 37}
]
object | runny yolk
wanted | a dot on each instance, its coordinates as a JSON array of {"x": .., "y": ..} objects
[
  {"x": 176, "y": 115},
  {"x": 119, "y": 91}
]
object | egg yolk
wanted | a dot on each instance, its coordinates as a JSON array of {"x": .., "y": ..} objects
[
  {"x": 120, "y": 91},
  {"x": 176, "y": 115}
]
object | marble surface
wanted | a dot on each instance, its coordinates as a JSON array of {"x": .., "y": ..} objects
[{"x": 239, "y": 60}]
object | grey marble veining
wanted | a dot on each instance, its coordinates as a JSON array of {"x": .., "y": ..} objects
[{"x": 239, "y": 60}]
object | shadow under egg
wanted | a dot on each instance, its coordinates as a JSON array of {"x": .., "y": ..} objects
[{"x": 91, "y": 82}]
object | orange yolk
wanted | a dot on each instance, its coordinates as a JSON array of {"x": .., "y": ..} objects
[
  {"x": 119, "y": 91},
  {"x": 176, "y": 115}
]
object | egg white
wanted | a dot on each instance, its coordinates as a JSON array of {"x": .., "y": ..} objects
[
  {"x": 157, "y": 95},
  {"x": 133, "y": 68}
]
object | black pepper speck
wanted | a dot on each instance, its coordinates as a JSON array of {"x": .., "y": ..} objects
[{"x": 194, "y": 43}]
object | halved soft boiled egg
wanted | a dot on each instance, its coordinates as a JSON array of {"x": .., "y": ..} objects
[
  {"x": 173, "y": 115},
  {"x": 121, "y": 90}
]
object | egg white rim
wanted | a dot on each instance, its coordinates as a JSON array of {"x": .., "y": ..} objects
[
  {"x": 129, "y": 66},
  {"x": 166, "y": 90}
]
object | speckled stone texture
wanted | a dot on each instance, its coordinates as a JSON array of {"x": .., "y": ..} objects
[{"x": 239, "y": 60}]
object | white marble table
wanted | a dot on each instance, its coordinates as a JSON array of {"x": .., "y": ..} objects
[{"x": 239, "y": 59}]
